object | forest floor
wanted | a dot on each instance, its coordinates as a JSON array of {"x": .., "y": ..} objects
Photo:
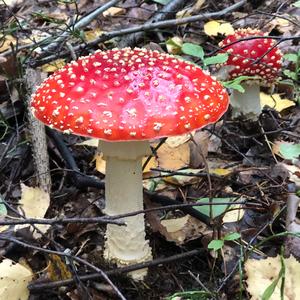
[{"x": 247, "y": 171}]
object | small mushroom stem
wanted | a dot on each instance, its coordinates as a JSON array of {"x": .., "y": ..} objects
[
  {"x": 247, "y": 103},
  {"x": 125, "y": 245}
]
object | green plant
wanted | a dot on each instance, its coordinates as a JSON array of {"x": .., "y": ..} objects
[
  {"x": 219, "y": 243},
  {"x": 293, "y": 76},
  {"x": 191, "y": 295}
]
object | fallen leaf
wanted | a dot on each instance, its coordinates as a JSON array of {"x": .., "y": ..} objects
[
  {"x": 91, "y": 35},
  {"x": 213, "y": 28},
  {"x": 275, "y": 101},
  {"x": 294, "y": 172},
  {"x": 184, "y": 179},
  {"x": 191, "y": 10},
  {"x": 262, "y": 273},
  {"x": 34, "y": 203},
  {"x": 174, "y": 45},
  {"x": 220, "y": 171},
  {"x": 199, "y": 148},
  {"x": 233, "y": 214},
  {"x": 182, "y": 230},
  {"x": 114, "y": 11},
  {"x": 53, "y": 66},
  {"x": 6, "y": 42},
  {"x": 14, "y": 280},
  {"x": 173, "y": 158},
  {"x": 57, "y": 268}
]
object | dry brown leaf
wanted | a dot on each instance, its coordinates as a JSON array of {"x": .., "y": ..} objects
[
  {"x": 198, "y": 148},
  {"x": 261, "y": 273},
  {"x": 14, "y": 280},
  {"x": 189, "y": 11},
  {"x": 114, "y": 11},
  {"x": 34, "y": 203},
  {"x": 182, "y": 230},
  {"x": 171, "y": 158}
]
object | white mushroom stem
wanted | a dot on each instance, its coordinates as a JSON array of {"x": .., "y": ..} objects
[
  {"x": 125, "y": 245},
  {"x": 247, "y": 103}
]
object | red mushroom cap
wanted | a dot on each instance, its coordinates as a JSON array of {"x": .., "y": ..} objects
[
  {"x": 244, "y": 55},
  {"x": 125, "y": 94}
]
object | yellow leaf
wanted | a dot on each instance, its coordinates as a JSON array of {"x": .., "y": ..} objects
[
  {"x": 275, "y": 101},
  {"x": 57, "y": 269},
  {"x": 91, "y": 35},
  {"x": 34, "y": 203},
  {"x": 213, "y": 28},
  {"x": 14, "y": 280},
  {"x": 53, "y": 66},
  {"x": 114, "y": 11},
  {"x": 220, "y": 171},
  {"x": 89, "y": 142},
  {"x": 226, "y": 29},
  {"x": 6, "y": 41},
  {"x": 261, "y": 273}
]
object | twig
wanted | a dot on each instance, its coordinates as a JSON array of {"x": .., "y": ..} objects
[
  {"x": 145, "y": 28},
  {"x": 84, "y": 21},
  {"x": 58, "y": 221},
  {"x": 68, "y": 256},
  {"x": 35, "y": 287},
  {"x": 165, "y": 13}
]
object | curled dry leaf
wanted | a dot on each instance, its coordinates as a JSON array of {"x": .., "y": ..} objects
[
  {"x": 262, "y": 273},
  {"x": 14, "y": 280},
  {"x": 180, "y": 230}
]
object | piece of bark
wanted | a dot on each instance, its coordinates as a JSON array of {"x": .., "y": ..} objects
[{"x": 38, "y": 135}]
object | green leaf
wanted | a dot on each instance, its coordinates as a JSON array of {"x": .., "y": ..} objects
[
  {"x": 193, "y": 50},
  {"x": 231, "y": 236},
  {"x": 289, "y": 151},
  {"x": 235, "y": 86},
  {"x": 296, "y": 4},
  {"x": 215, "y": 245},
  {"x": 291, "y": 57},
  {"x": 217, "y": 59},
  {"x": 290, "y": 74},
  {"x": 191, "y": 295},
  {"x": 216, "y": 209},
  {"x": 3, "y": 210},
  {"x": 163, "y": 2}
]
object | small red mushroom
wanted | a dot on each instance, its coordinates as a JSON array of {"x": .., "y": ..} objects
[
  {"x": 124, "y": 98},
  {"x": 253, "y": 57}
]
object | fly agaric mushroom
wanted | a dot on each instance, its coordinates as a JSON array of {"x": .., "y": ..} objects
[
  {"x": 124, "y": 98},
  {"x": 253, "y": 57}
]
